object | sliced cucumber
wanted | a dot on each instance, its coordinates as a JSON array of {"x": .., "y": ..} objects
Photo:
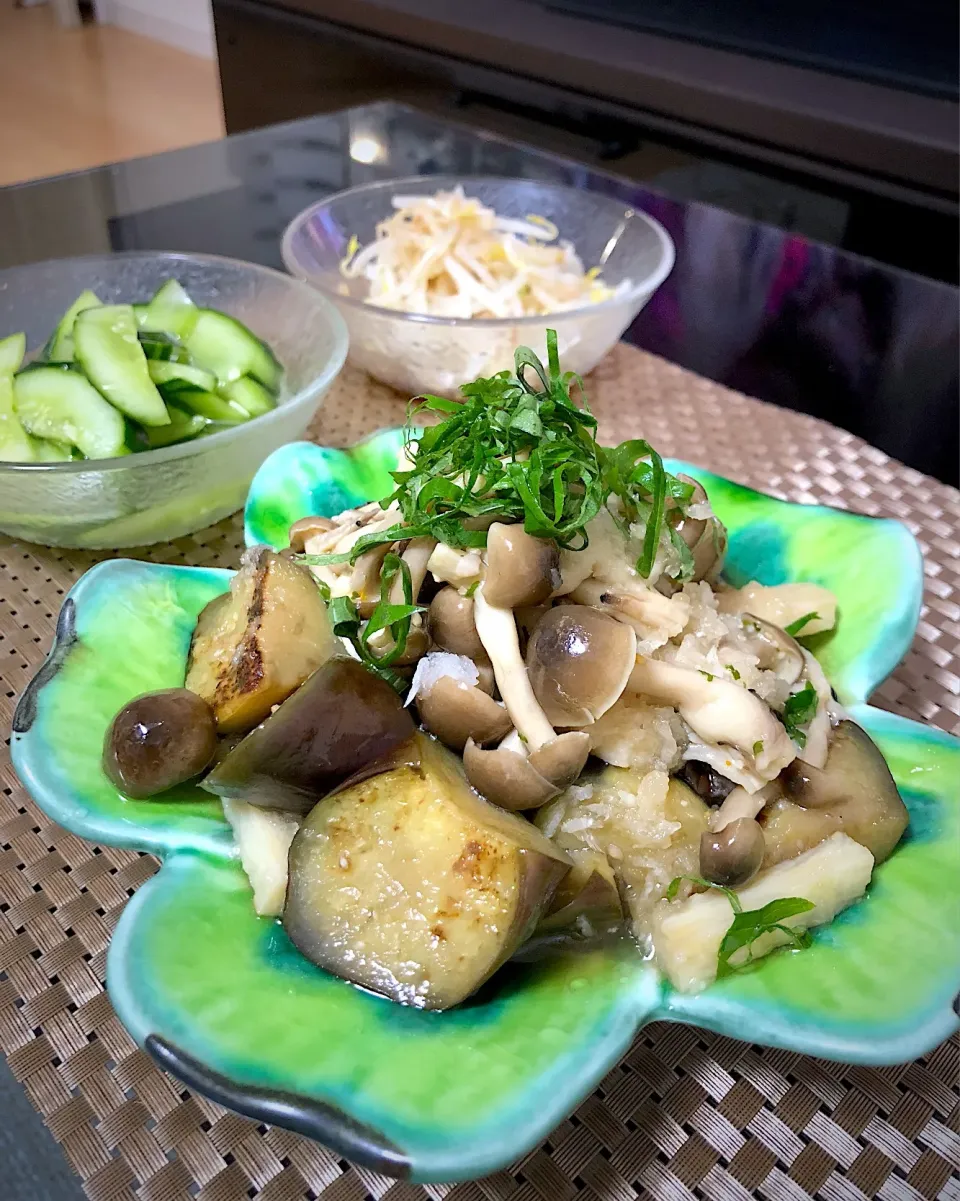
[
  {"x": 163, "y": 348},
  {"x": 58, "y": 403},
  {"x": 48, "y": 451},
  {"x": 107, "y": 348},
  {"x": 59, "y": 348},
  {"x": 171, "y": 311},
  {"x": 16, "y": 445},
  {"x": 206, "y": 404},
  {"x": 250, "y": 394},
  {"x": 227, "y": 348},
  {"x": 12, "y": 350},
  {"x": 184, "y": 428},
  {"x": 181, "y": 373}
]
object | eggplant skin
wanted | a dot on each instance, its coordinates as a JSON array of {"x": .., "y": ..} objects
[
  {"x": 411, "y": 885},
  {"x": 853, "y": 793},
  {"x": 255, "y": 645},
  {"x": 341, "y": 722},
  {"x": 590, "y": 891}
]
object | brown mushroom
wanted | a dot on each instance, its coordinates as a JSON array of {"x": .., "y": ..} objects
[
  {"x": 365, "y": 579},
  {"x": 415, "y": 556},
  {"x": 456, "y": 711},
  {"x": 486, "y": 680},
  {"x": 497, "y": 628},
  {"x": 706, "y": 537},
  {"x": 579, "y": 661},
  {"x": 451, "y": 624},
  {"x": 562, "y": 760},
  {"x": 732, "y": 856},
  {"x": 521, "y": 569},
  {"x": 308, "y": 527},
  {"x": 777, "y": 651},
  {"x": 506, "y": 778}
]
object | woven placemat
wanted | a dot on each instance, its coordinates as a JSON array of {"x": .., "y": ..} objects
[{"x": 686, "y": 1113}]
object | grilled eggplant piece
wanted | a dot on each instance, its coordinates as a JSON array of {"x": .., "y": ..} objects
[
  {"x": 589, "y": 891},
  {"x": 256, "y": 644},
  {"x": 413, "y": 886},
  {"x": 854, "y": 793},
  {"x": 342, "y": 721}
]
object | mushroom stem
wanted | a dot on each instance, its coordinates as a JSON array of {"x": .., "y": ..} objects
[
  {"x": 457, "y": 567},
  {"x": 718, "y": 711},
  {"x": 497, "y": 630},
  {"x": 814, "y": 750},
  {"x": 416, "y": 557},
  {"x": 739, "y": 803},
  {"x": 365, "y": 579},
  {"x": 648, "y": 611}
]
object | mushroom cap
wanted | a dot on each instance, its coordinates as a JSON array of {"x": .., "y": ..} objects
[
  {"x": 506, "y": 778},
  {"x": 451, "y": 624},
  {"x": 579, "y": 661},
  {"x": 456, "y": 711},
  {"x": 705, "y": 536},
  {"x": 306, "y": 528},
  {"x": 731, "y": 856},
  {"x": 562, "y": 760},
  {"x": 783, "y": 654},
  {"x": 521, "y": 569}
]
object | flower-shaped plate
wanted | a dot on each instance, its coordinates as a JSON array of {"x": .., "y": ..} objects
[{"x": 223, "y": 1000}]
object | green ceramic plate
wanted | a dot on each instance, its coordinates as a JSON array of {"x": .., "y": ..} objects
[{"x": 223, "y": 1000}]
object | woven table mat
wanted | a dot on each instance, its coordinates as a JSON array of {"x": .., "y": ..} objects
[{"x": 687, "y": 1113}]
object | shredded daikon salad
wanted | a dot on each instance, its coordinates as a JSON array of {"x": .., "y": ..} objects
[{"x": 448, "y": 255}]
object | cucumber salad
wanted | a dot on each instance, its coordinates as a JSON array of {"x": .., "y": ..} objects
[
  {"x": 514, "y": 706},
  {"x": 113, "y": 379}
]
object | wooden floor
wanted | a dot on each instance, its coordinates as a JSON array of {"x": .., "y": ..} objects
[{"x": 75, "y": 98}]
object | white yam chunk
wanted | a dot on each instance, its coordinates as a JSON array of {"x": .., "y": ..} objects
[
  {"x": 687, "y": 934},
  {"x": 263, "y": 839}
]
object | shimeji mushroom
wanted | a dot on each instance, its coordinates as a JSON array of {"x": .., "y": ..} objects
[
  {"x": 454, "y": 708},
  {"x": 651, "y": 614},
  {"x": 732, "y": 856},
  {"x": 719, "y": 711},
  {"x": 521, "y": 569},
  {"x": 506, "y": 776},
  {"x": 776, "y": 650},
  {"x": 580, "y": 661},
  {"x": 306, "y": 528},
  {"x": 706, "y": 537}
]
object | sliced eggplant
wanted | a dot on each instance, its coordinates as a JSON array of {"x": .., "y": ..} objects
[
  {"x": 410, "y": 885},
  {"x": 341, "y": 722},
  {"x": 256, "y": 645}
]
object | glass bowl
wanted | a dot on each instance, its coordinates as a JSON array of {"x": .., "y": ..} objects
[
  {"x": 417, "y": 353},
  {"x": 159, "y": 495}
]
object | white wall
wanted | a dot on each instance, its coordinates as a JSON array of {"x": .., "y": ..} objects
[{"x": 187, "y": 24}]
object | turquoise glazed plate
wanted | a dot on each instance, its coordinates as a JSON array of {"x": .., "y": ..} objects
[{"x": 223, "y": 1001}]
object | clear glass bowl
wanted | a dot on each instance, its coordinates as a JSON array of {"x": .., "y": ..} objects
[
  {"x": 416, "y": 353},
  {"x": 158, "y": 495}
]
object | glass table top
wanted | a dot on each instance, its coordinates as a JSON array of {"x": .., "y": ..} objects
[{"x": 770, "y": 313}]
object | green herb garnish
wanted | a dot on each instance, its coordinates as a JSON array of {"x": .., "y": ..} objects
[
  {"x": 395, "y": 618},
  {"x": 748, "y": 925},
  {"x": 706, "y": 675},
  {"x": 758, "y": 747},
  {"x": 800, "y": 709},
  {"x": 733, "y": 671},
  {"x": 795, "y": 627},
  {"x": 472, "y": 589},
  {"x": 520, "y": 450}
]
